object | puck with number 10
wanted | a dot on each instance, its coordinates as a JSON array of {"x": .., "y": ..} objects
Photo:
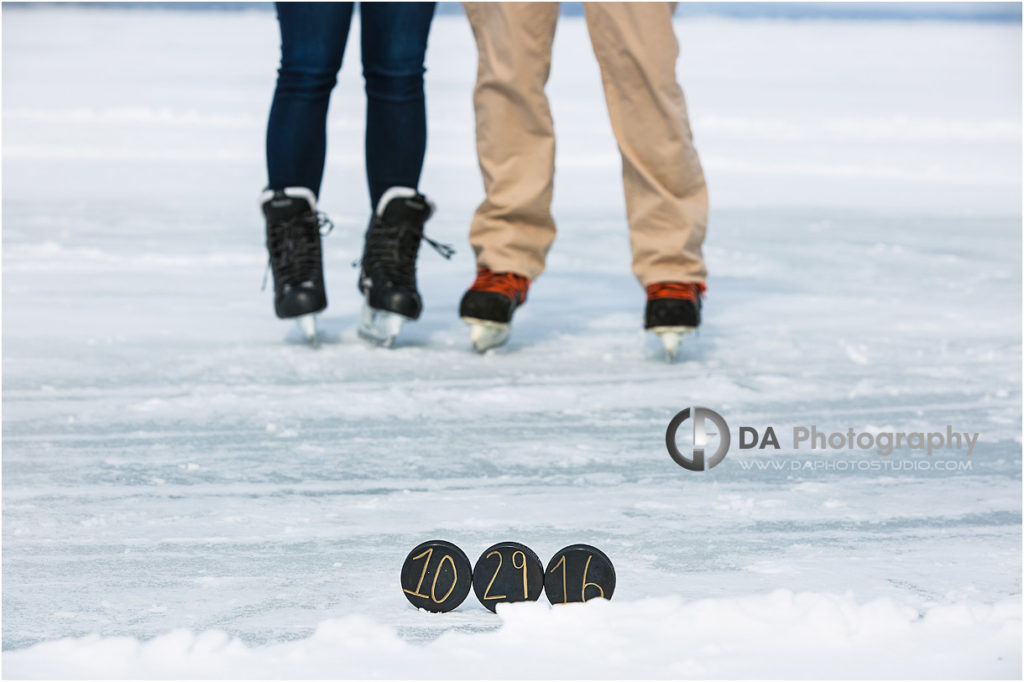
[{"x": 436, "y": 576}]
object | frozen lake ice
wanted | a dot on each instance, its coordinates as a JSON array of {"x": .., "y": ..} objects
[{"x": 174, "y": 459}]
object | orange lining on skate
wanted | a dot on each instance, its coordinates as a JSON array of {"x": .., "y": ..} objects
[
  {"x": 505, "y": 283},
  {"x": 683, "y": 290}
]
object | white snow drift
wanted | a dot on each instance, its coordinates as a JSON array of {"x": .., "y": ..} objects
[{"x": 781, "y": 634}]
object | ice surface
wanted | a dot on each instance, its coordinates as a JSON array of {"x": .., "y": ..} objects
[{"x": 175, "y": 458}]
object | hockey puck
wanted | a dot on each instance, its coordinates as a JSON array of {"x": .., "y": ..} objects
[
  {"x": 436, "y": 576},
  {"x": 507, "y": 571},
  {"x": 579, "y": 573}
]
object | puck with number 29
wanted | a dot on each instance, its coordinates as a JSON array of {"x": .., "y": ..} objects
[
  {"x": 579, "y": 573},
  {"x": 436, "y": 576},
  {"x": 507, "y": 571}
]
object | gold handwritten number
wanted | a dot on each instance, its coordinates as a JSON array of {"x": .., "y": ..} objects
[
  {"x": 433, "y": 587},
  {"x": 583, "y": 592},
  {"x": 423, "y": 574},
  {"x": 565, "y": 592},
  {"x": 526, "y": 592},
  {"x": 497, "y": 596}
]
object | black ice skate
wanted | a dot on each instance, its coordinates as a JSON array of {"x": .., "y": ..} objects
[
  {"x": 673, "y": 312},
  {"x": 388, "y": 275},
  {"x": 293, "y": 242}
]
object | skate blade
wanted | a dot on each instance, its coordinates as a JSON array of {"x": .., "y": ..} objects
[
  {"x": 380, "y": 327},
  {"x": 307, "y": 325},
  {"x": 670, "y": 338},
  {"x": 486, "y": 334}
]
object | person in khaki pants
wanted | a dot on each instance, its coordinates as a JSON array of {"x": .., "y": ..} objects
[{"x": 666, "y": 195}]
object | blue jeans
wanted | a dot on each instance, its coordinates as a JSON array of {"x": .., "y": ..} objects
[{"x": 313, "y": 37}]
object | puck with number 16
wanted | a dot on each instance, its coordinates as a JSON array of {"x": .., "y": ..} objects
[{"x": 579, "y": 573}]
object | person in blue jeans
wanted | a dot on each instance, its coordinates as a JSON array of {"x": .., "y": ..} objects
[{"x": 394, "y": 42}]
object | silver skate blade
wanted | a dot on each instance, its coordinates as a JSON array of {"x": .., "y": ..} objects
[
  {"x": 670, "y": 338},
  {"x": 307, "y": 325},
  {"x": 380, "y": 327},
  {"x": 486, "y": 334}
]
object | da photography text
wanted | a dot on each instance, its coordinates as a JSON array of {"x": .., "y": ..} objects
[{"x": 698, "y": 438}]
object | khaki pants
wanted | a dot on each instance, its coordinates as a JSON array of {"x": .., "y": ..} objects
[{"x": 666, "y": 196}]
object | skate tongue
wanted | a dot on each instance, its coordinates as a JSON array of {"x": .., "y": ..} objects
[
  {"x": 406, "y": 210},
  {"x": 282, "y": 204},
  {"x": 282, "y": 208},
  {"x": 393, "y": 193}
]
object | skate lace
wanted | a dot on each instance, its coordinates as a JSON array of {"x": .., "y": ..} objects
[
  {"x": 294, "y": 249},
  {"x": 506, "y": 283},
  {"x": 682, "y": 290},
  {"x": 394, "y": 248}
]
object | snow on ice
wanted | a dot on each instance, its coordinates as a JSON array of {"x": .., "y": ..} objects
[
  {"x": 189, "y": 491},
  {"x": 779, "y": 634}
]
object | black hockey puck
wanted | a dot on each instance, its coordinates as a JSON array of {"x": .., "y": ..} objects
[
  {"x": 507, "y": 571},
  {"x": 579, "y": 573},
  {"x": 436, "y": 576}
]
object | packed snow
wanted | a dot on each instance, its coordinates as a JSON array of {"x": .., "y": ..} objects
[
  {"x": 779, "y": 634},
  {"x": 190, "y": 491}
]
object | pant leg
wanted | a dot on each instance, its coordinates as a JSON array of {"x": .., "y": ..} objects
[
  {"x": 666, "y": 196},
  {"x": 394, "y": 43},
  {"x": 313, "y": 36},
  {"x": 512, "y": 229}
]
